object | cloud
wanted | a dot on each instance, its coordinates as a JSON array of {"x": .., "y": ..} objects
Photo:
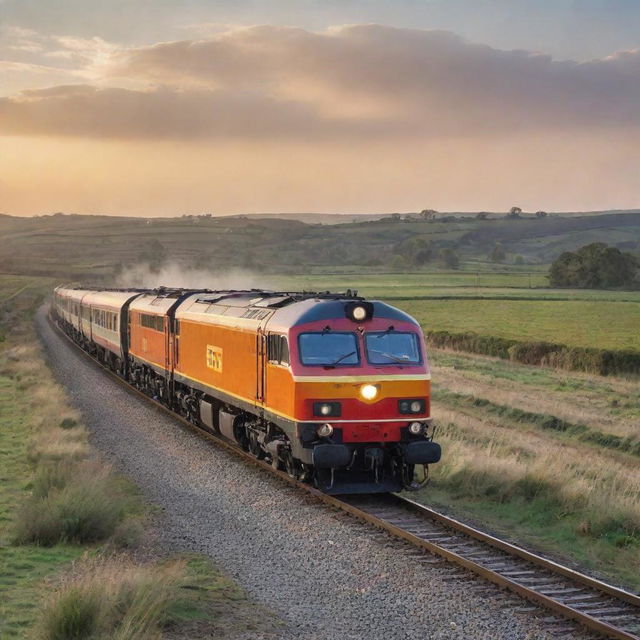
[{"x": 348, "y": 82}]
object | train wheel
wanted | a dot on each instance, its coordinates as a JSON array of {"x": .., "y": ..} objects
[
  {"x": 290, "y": 465},
  {"x": 254, "y": 445}
]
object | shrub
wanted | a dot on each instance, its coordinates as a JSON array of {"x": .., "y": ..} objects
[
  {"x": 73, "y": 615},
  {"x": 602, "y": 362},
  {"x": 51, "y": 475},
  {"x": 88, "y": 509},
  {"x": 113, "y": 598}
]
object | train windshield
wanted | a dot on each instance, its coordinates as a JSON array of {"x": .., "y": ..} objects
[
  {"x": 391, "y": 347},
  {"x": 328, "y": 349}
]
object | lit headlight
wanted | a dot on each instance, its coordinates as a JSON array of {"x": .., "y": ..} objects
[
  {"x": 416, "y": 428},
  {"x": 324, "y": 430},
  {"x": 368, "y": 391},
  {"x": 359, "y": 313}
]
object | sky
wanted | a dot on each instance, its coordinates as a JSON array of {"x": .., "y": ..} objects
[{"x": 161, "y": 108}]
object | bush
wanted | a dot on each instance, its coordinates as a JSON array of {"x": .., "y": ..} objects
[
  {"x": 73, "y": 615},
  {"x": 51, "y": 476},
  {"x": 113, "y": 598},
  {"x": 87, "y": 509}
]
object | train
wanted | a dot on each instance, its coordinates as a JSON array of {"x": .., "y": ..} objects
[{"x": 331, "y": 388}]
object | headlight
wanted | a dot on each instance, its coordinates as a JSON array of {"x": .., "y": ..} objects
[
  {"x": 368, "y": 391},
  {"x": 359, "y": 313},
  {"x": 327, "y": 409},
  {"x": 409, "y": 405},
  {"x": 324, "y": 430},
  {"x": 416, "y": 428}
]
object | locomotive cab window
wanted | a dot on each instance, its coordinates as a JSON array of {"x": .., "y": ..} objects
[
  {"x": 277, "y": 349},
  {"x": 392, "y": 347},
  {"x": 328, "y": 349}
]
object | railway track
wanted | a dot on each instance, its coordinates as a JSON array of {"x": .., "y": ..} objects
[{"x": 598, "y": 606}]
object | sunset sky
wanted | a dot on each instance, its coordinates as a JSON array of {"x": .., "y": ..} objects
[{"x": 159, "y": 107}]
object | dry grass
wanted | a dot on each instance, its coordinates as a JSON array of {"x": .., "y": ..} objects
[
  {"x": 113, "y": 598},
  {"x": 71, "y": 503},
  {"x": 500, "y": 464},
  {"x": 578, "y": 407},
  {"x": 73, "y": 499}
]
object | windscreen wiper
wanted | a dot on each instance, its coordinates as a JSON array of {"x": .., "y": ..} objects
[
  {"x": 390, "y": 356},
  {"x": 341, "y": 358}
]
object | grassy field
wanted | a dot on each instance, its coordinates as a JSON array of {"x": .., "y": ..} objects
[
  {"x": 522, "y": 472},
  {"x": 70, "y": 528},
  {"x": 605, "y": 325},
  {"x": 500, "y": 306}
]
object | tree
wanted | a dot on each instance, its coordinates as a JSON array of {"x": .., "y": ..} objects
[
  {"x": 423, "y": 256},
  {"x": 518, "y": 260},
  {"x": 428, "y": 214},
  {"x": 595, "y": 266},
  {"x": 399, "y": 262},
  {"x": 498, "y": 254},
  {"x": 155, "y": 254},
  {"x": 483, "y": 215},
  {"x": 450, "y": 258},
  {"x": 541, "y": 214},
  {"x": 514, "y": 213},
  {"x": 395, "y": 217}
]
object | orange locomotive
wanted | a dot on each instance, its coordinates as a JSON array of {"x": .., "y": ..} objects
[{"x": 330, "y": 387}]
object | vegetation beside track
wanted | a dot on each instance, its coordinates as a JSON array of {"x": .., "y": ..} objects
[
  {"x": 502, "y": 468},
  {"x": 70, "y": 528}
]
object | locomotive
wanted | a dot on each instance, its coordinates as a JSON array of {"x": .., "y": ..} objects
[{"x": 332, "y": 388}]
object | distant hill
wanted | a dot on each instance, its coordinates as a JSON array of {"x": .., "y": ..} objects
[
  {"x": 343, "y": 218},
  {"x": 96, "y": 247}
]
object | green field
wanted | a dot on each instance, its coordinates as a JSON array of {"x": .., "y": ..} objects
[
  {"x": 604, "y": 325},
  {"x": 498, "y": 306}
]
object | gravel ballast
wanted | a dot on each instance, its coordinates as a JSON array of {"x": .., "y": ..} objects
[{"x": 328, "y": 576}]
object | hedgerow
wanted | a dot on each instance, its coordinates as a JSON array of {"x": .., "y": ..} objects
[{"x": 602, "y": 362}]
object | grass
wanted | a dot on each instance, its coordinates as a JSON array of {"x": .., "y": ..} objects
[
  {"x": 70, "y": 527},
  {"x": 24, "y": 567},
  {"x": 507, "y": 477},
  {"x": 473, "y": 405},
  {"x": 113, "y": 597},
  {"x": 611, "y": 325},
  {"x": 610, "y": 403}
]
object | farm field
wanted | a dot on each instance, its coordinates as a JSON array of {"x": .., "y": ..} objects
[
  {"x": 579, "y": 323},
  {"x": 452, "y": 302}
]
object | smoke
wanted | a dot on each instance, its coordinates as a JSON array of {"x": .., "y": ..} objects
[{"x": 178, "y": 276}]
